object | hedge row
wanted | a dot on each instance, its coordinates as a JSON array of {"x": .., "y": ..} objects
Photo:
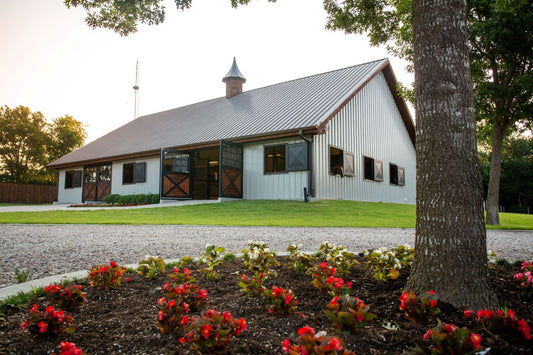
[{"x": 140, "y": 199}]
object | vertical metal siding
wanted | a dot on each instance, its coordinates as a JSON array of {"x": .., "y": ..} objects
[
  {"x": 258, "y": 186},
  {"x": 150, "y": 186},
  {"x": 369, "y": 125},
  {"x": 68, "y": 195}
]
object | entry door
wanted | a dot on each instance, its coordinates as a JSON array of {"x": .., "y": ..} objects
[
  {"x": 176, "y": 174},
  {"x": 97, "y": 183},
  {"x": 230, "y": 170}
]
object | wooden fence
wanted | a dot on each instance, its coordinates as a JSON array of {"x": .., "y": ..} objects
[{"x": 26, "y": 193}]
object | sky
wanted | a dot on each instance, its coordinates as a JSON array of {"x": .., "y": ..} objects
[{"x": 52, "y": 62}]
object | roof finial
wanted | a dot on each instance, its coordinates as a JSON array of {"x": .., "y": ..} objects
[{"x": 234, "y": 80}]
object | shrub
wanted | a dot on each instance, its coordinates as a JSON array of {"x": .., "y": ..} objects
[
  {"x": 111, "y": 199},
  {"x": 320, "y": 344},
  {"x": 450, "y": 339},
  {"x": 210, "y": 333},
  {"x": 180, "y": 278},
  {"x": 321, "y": 275},
  {"x": 189, "y": 293},
  {"x": 348, "y": 313},
  {"x": 65, "y": 296},
  {"x": 419, "y": 308},
  {"x": 49, "y": 322},
  {"x": 105, "y": 276},
  {"x": 282, "y": 301},
  {"x": 151, "y": 266}
]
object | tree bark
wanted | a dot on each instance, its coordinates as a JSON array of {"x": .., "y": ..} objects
[
  {"x": 450, "y": 247},
  {"x": 493, "y": 194}
]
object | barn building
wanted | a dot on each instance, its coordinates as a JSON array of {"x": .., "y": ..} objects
[{"x": 344, "y": 134}]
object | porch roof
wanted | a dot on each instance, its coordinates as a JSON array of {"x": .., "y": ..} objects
[{"x": 305, "y": 103}]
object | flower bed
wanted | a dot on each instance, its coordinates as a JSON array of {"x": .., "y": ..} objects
[{"x": 125, "y": 319}]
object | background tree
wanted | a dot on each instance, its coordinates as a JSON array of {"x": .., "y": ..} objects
[
  {"x": 28, "y": 143},
  {"x": 64, "y": 135},
  {"x": 22, "y": 142},
  {"x": 501, "y": 50}
]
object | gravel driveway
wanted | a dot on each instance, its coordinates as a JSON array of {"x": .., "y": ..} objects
[{"x": 47, "y": 250}]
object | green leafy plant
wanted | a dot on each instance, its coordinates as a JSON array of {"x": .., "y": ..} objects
[
  {"x": 348, "y": 313},
  {"x": 419, "y": 308},
  {"x": 171, "y": 314},
  {"x": 15, "y": 303},
  {"x": 337, "y": 257},
  {"x": 189, "y": 293},
  {"x": 22, "y": 275},
  {"x": 229, "y": 256},
  {"x": 259, "y": 258},
  {"x": 450, "y": 339},
  {"x": 310, "y": 343},
  {"x": 65, "y": 296},
  {"x": 212, "y": 258},
  {"x": 49, "y": 322},
  {"x": 252, "y": 286},
  {"x": 282, "y": 301},
  {"x": 299, "y": 261},
  {"x": 211, "y": 332},
  {"x": 503, "y": 321},
  {"x": 388, "y": 263},
  {"x": 180, "y": 278},
  {"x": 151, "y": 266},
  {"x": 105, "y": 276}
]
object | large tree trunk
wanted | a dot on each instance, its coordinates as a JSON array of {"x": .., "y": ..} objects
[
  {"x": 450, "y": 249},
  {"x": 493, "y": 194}
]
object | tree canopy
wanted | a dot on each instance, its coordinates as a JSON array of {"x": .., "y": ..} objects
[{"x": 28, "y": 143}]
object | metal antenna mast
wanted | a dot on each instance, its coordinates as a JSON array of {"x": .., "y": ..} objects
[{"x": 136, "y": 88}]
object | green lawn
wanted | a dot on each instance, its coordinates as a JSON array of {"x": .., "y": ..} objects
[{"x": 325, "y": 213}]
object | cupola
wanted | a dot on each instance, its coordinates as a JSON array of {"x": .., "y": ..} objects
[{"x": 234, "y": 80}]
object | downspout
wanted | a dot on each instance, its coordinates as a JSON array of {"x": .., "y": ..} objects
[{"x": 310, "y": 191}]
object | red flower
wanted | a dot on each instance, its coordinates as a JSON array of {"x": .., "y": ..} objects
[
  {"x": 171, "y": 304},
  {"x": 286, "y": 345},
  {"x": 206, "y": 330},
  {"x": 161, "y": 301},
  {"x": 34, "y": 309},
  {"x": 468, "y": 313},
  {"x": 524, "y": 328},
  {"x": 60, "y": 316},
  {"x": 42, "y": 327},
  {"x": 186, "y": 272},
  {"x": 431, "y": 292},
  {"x": 67, "y": 348},
  {"x": 161, "y": 315},
  {"x": 50, "y": 310},
  {"x": 334, "y": 344},
  {"x": 349, "y": 284},
  {"x": 432, "y": 303},
  {"x": 112, "y": 264},
  {"x": 24, "y": 325},
  {"x": 181, "y": 340},
  {"x": 324, "y": 265},
  {"x": 474, "y": 340},
  {"x": 202, "y": 294},
  {"x": 226, "y": 316},
  {"x": 288, "y": 298},
  {"x": 427, "y": 335},
  {"x": 450, "y": 328},
  {"x": 184, "y": 320},
  {"x": 306, "y": 329},
  {"x": 128, "y": 279},
  {"x": 276, "y": 291},
  {"x": 334, "y": 300},
  {"x": 243, "y": 277},
  {"x": 103, "y": 269}
]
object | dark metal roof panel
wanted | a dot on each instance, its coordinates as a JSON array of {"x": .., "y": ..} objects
[{"x": 295, "y": 104}]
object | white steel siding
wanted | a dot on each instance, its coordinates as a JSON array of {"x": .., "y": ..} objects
[
  {"x": 260, "y": 186},
  {"x": 369, "y": 125},
  {"x": 70, "y": 195},
  {"x": 150, "y": 186}
]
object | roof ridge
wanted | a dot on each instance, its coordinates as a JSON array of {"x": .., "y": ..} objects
[{"x": 314, "y": 75}]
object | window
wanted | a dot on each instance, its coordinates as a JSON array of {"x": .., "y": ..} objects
[
  {"x": 133, "y": 173},
  {"x": 176, "y": 162},
  {"x": 72, "y": 179},
  {"x": 397, "y": 175},
  {"x": 341, "y": 162},
  {"x": 275, "y": 161},
  {"x": 373, "y": 169}
]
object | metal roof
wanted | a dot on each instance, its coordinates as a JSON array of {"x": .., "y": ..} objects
[{"x": 292, "y": 105}]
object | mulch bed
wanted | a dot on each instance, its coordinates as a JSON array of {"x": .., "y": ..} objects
[{"x": 124, "y": 321}]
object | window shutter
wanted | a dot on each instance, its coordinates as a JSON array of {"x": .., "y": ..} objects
[
  {"x": 378, "y": 170},
  {"x": 139, "y": 172},
  {"x": 348, "y": 164},
  {"x": 297, "y": 157},
  {"x": 76, "y": 178},
  {"x": 401, "y": 176}
]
